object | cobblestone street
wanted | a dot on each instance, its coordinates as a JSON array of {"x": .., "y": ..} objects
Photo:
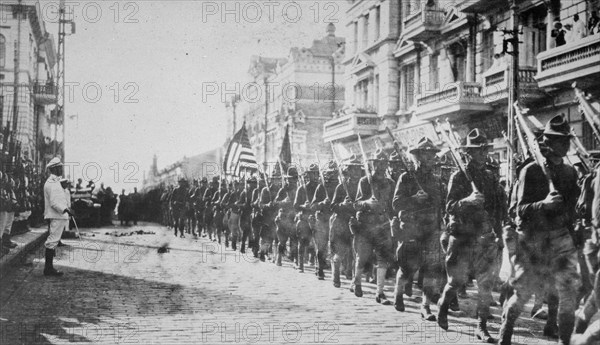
[{"x": 118, "y": 289}]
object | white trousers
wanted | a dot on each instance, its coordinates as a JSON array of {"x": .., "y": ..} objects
[
  {"x": 6, "y": 222},
  {"x": 57, "y": 226}
]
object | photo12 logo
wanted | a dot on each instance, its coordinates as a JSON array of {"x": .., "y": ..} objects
[{"x": 271, "y": 11}]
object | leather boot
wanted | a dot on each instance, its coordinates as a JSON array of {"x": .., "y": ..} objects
[
  {"x": 399, "y": 302},
  {"x": 49, "y": 266},
  {"x": 233, "y": 245},
  {"x": 551, "y": 326},
  {"x": 381, "y": 272},
  {"x": 426, "y": 313},
  {"x": 358, "y": 291},
  {"x": 566, "y": 322},
  {"x": 482, "y": 332},
  {"x": 580, "y": 325},
  {"x": 442, "y": 317},
  {"x": 335, "y": 267},
  {"x": 509, "y": 317}
]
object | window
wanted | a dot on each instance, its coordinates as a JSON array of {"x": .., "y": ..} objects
[
  {"x": 2, "y": 51},
  {"x": 377, "y": 27},
  {"x": 408, "y": 86},
  {"x": 375, "y": 102},
  {"x": 355, "y": 42},
  {"x": 434, "y": 74},
  {"x": 365, "y": 33},
  {"x": 487, "y": 54},
  {"x": 361, "y": 93}
]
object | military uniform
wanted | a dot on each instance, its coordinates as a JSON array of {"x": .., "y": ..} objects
[
  {"x": 371, "y": 227},
  {"x": 284, "y": 221},
  {"x": 208, "y": 213},
  {"x": 472, "y": 240},
  {"x": 545, "y": 251},
  {"x": 340, "y": 237},
  {"x": 233, "y": 218},
  {"x": 245, "y": 205},
  {"x": 198, "y": 204},
  {"x": 321, "y": 203},
  {"x": 269, "y": 212},
  {"x": 419, "y": 231},
  {"x": 218, "y": 214},
  {"x": 258, "y": 219},
  {"x": 304, "y": 194},
  {"x": 179, "y": 200}
]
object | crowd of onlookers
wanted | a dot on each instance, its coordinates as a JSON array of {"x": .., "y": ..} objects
[{"x": 576, "y": 30}]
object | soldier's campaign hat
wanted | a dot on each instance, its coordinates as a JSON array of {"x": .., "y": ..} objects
[
  {"x": 379, "y": 155},
  {"x": 182, "y": 180},
  {"x": 492, "y": 163},
  {"x": 558, "y": 126},
  {"x": 314, "y": 167},
  {"x": 215, "y": 179},
  {"x": 204, "y": 180},
  {"x": 395, "y": 157},
  {"x": 292, "y": 172},
  {"x": 331, "y": 167},
  {"x": 476, "y": 139},
  {"x": 252, "y": 179},
  {"x": 425, "y": 144},
  {"x": 54, "y": 162},
  {"x": 353, "y": 160}
]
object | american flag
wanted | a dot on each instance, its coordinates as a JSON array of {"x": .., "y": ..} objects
[{"x": 239, "y": 157}]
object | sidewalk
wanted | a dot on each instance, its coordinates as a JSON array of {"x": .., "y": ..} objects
[{"x": 27, "y": 243}]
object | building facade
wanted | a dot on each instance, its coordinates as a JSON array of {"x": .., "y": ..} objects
[
  {"x": 452, "y": 61},
  {"x": 301, "y": 92},
  {"x": 30, "y": 75}
]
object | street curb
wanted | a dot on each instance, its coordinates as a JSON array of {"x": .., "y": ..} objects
[{"x": 12, "y": 260}]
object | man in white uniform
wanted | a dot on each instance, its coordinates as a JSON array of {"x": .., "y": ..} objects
[{"x": 56, "y": 211}]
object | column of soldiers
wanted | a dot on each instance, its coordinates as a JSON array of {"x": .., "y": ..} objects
[{"x": 397, "y": 213}]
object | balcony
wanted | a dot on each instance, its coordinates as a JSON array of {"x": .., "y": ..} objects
[
  {"x": 424, "y": 24},
  {"x": 45, "y": 93},
  {"x": 480, "y": 6},
  {"x": 495, "y": 85},
  {"x": 459, "y": 98},
  {"x": 559, "y": 67},
  {"x": 349, "y": 125}
]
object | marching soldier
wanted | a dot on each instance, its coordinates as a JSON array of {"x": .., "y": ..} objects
[
  {"x": 418, "y": 200},
  {"x": 342, "y": 204},
  {"x": 245, "y": 204},
  {"x": 269, "y": 212},
  {"x": 472, "y": 240},
  {"x": 545, "y": 248},
  {"x": 218, "y": 211},
  {"x": 304, "y": 194},
  {"x": 284, "y": 221},
  {"x": 178, "y": 202},
  {"x": 192, "y": 207},
  {"x": 257, "y": 217},
  {"x": 209, "y": 193},
  {"x": 198, "y": 204},
  {"x": 371, "y": 227},
  {"x": 321, "y": 203},
  {"x": 233, "y": 220}
]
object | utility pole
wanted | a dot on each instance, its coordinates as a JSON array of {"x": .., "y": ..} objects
[
  {"x": 513, "y": 82},
  {"x": 266, "y": 80},
  {"x": 60, "y": 76},
  {"x": 17, "y": 63}
]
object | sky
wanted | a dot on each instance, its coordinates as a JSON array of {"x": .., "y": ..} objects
[{"x": 135, "y": 73}]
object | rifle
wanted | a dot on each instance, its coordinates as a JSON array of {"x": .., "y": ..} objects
[
  {"x": 340, "y": 174},
  {"x": 366, "y": 166},
  {"x": 511, "y": 148},
  {"x": 534, "y": 147},
  {"x": 400, "y": 153},
  {"x": 321, "y": 174},
  {"x": 582, "y": 153},
  {"x": 456, "y": 156},
  {"x": 587, "y": 110}
]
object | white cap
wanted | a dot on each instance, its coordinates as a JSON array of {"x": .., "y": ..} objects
[{"x": 54, "y": 162}]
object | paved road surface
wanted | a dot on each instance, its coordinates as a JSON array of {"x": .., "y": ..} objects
[{"x": 119, "y": 290}]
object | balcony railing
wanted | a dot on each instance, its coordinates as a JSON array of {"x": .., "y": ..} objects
[
  {"x": 350, "y": 125},
  {"x": 459, "y": 97},
  {"x": 45, "y": 93},
  {"x": 558, "y": 67},
  {"x": 423, "y": 24},
  {"x": 495, "y": 84}
]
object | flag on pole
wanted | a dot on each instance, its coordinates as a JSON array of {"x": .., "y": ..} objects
[
  {"x": 285, "y": 155},
  {"x": 239, "y": 156}
]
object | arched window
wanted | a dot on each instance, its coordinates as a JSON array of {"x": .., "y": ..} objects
[{"x": 2, "y": 51}]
